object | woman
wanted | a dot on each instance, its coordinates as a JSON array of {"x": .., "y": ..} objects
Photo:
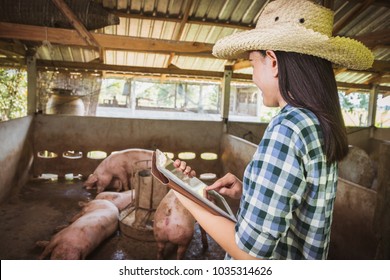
[{"x": 288, "y": 190}]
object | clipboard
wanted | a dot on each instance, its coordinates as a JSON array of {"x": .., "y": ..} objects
[{"x": 192, "y": 188}]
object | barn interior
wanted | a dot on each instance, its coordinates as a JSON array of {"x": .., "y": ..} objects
[{"x": 69, "y": 48}]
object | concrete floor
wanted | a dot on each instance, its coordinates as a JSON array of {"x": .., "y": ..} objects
[{"x": 32, "y": 214}]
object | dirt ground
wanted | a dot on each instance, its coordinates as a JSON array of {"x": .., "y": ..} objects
[{"x": 32, "y": 214}]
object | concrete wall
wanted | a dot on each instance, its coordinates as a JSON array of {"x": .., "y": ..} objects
[
  {"x": 352, "y": 234},
  {"x": 15, "y": 154},
  {"x": 357, "y": 136},
  {"x": 236, "y": 153},
  {"x": 381, "y": 134},
  {"x": 58, "y": 134},
  {"x": 252, "y": 132}
]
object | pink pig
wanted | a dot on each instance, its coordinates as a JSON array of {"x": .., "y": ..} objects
[
  {"x": 174, "y": 223},
  {"x": 94, "y": 223},
  {"x": 115, "y": 170},
  {"x": 120, "y": 199}
]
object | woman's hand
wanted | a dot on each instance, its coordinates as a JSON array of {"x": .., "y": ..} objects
[
  {"x": 182, "y": 165},
  {"x": 228, "y": 185}
]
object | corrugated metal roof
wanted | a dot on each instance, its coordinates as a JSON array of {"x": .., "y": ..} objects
[
  {"x": 64, "y": 53},
  {"x": 236, "y": 12},
  {"x": 206, "y": 21}
]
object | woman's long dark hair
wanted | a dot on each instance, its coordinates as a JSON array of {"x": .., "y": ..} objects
[{"x": 307, "y": 81}]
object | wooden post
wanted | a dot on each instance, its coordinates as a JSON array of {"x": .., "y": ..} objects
[
  {"x": 372, "y": 105},
  {"x": 227, "y": 78},
  {"x": 233, "y": 91},
  {"x": 200, "y": 102},
  {"x": 31, "y": 62},
  {"x": 382, "y": 210},
  {"x": 133, "y": 95}
]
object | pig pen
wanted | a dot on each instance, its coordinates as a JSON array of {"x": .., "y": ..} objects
[{"x": 31, "y": 207}]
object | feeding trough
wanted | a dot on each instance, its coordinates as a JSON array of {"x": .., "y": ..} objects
[{"x": 137, "y": 221}]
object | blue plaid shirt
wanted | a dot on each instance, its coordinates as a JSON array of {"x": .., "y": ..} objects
[{"x": 288, "y": 191}]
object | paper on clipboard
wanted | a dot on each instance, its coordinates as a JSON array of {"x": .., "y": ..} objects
[{"x": 164, "y": 170}]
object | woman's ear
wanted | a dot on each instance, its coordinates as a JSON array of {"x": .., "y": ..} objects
[{"x": 274, "y": 62}]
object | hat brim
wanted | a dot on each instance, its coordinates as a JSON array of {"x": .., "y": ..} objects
[{"x": 293, "y": 38}]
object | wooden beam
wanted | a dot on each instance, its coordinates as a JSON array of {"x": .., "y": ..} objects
[
  {"x": 14, "y": 49},
  {"x": 355, "y": 86},
  {"x": 11, "y": 55},
  {"x": 178, "y": 34},
  {"x": 184, "y": 20},
  {"x": 115, "y": 42},
  {"x": 48, "y": 64},
  {"x": 241, "y": 65},
  {"x": 76, "y": 23},
  {"x": 384, "y": 80},
  {"x": 108, "y": 42},
  {"x": 337, "y": 71},
  {"x": 351, "y": 15},
  {"x": 190, "y": 20},
  {"x": 378, "y": 67},
  {"x": 39, "y": 33},
  {"x": 378, "y": 3},
  {"x": 377, "y": 38},
  {"x": 377, "y": 78},
  {"x": 328, "y": 4},
  {"x": 381, "y": 66},
  {"x": 11, "y": 62}
]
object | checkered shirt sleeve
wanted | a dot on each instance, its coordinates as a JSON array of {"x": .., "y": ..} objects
[{"x": 288, "y": 194}]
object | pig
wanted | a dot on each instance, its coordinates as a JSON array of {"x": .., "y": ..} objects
[
  {"x": 94, "y": 223},
  {"x": 357, "y": 167},
  {"x": 116, "y": 169},
  {"x": 175, "y": 224},
  {"x": 120, "y": 199}
]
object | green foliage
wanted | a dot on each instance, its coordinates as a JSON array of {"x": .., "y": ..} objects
[
  {"x": 13, "y": 94},
  {"x": 354, "y": 107}
]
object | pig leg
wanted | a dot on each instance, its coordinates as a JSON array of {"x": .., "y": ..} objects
[
  {"x": 116, "y": 184},
  {"x": 160, "y": 250},
  {"x": 181, "y": 251},
  {"x": 49, "y": 246},
  {"x": 64, "y": 252},
  {"x": 123, "y": 178}
]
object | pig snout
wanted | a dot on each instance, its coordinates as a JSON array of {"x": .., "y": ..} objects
[{"x": 173, "y": 223}]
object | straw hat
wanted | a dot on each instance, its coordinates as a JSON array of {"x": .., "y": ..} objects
[{"x": 299, "y": 26}]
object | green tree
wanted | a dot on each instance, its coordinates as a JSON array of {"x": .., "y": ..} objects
[
  {"x": 345, "y": 102},
  {"x": 13, "y": 94}
]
